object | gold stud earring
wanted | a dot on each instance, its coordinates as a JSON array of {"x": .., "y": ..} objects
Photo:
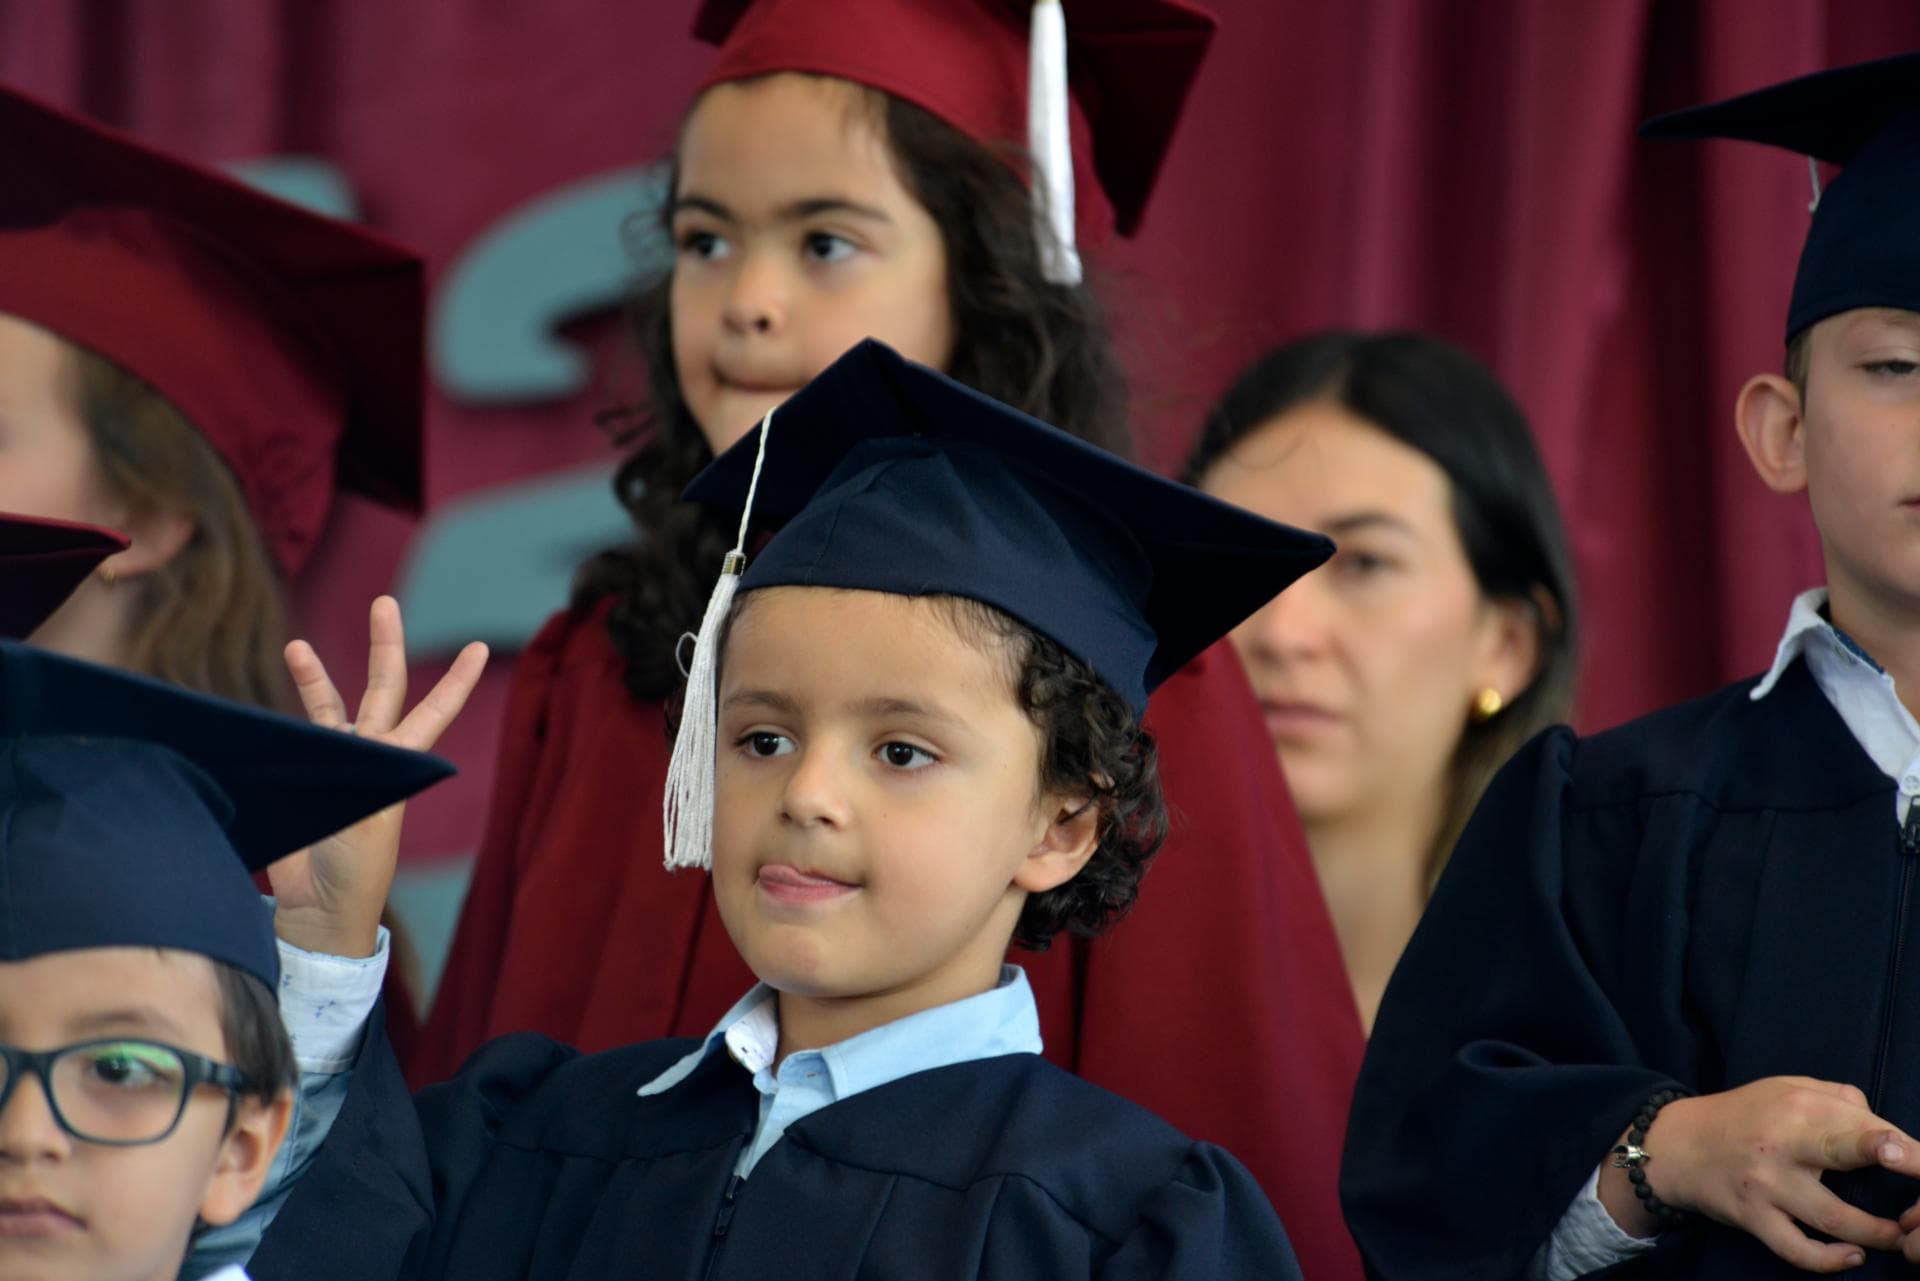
[
  {"x": 1487, "y": 704},
  {"x": 107, "y": 573}
]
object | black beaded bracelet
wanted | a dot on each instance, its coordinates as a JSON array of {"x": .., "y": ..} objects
[{"x": 1631, "y": 1156}]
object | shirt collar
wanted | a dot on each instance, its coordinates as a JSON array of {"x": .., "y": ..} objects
[
  {"x": 1001, "y": 1020},
  {"x": 1807, "y": 625}
]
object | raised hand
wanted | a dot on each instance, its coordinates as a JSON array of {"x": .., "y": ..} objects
[
  {"x": 330, "y": 895},
  {"x": 1752, "y": 1158}
]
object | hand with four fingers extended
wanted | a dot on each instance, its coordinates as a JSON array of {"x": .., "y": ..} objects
[
  {"x": 1752, "y": 1158},
  {"x": 330, "y": 895}
]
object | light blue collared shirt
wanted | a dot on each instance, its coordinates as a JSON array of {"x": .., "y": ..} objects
[
  {"x": 1003, "y": 1020},
  {"x": 1858, "y": 687}
]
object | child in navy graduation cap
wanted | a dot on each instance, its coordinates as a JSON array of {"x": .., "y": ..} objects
[
  {"x": 913, "y": 736},
  {"x": 1663, "y": 1015},
  {"x": 148, "y": 1078}
]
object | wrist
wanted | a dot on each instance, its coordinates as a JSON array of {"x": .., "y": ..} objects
[
  {"x": 1643, "y": 1195},
  {"x": 1662, "y": 1126},
  {"x": 1617, "y": 1197}
]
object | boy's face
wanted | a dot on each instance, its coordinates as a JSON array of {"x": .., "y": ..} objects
[
  {"x": 877, "y": 823},
  {"x": 1861, "y": 450},
  {"x": 71, "y": 1209},
  {"x": 796, "y": 240}
]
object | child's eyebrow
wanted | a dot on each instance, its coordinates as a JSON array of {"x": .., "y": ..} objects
[
  {"x": 1891, "y": 317},
  {"x": 771, "y": 700},
  {"x": 702, "y": 204},
  {"x": 893, "y": 706},
  {"x": 814, "y": 207},
  {"x": 793, "y": 211},
  {"x": 136, "y": 1018}
]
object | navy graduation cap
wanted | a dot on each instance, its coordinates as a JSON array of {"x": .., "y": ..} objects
[
  {"x": 132, "y": 812},
  {"x": 885, "y": 475},
  {"x": 1863, "y": 249},
  {"x": 41, "y": 562}
]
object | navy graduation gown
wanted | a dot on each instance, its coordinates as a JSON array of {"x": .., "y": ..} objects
[
  {"x": 1711, "y": 895},
  {"x": 537, "y": 1162}
]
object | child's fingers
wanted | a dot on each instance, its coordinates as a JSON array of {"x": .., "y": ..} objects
[
  {"x": 386, "y": 695},
  {"x": 1780, "y": 1235},
  {"x": 323, "y": 704},
  {"x": 1898, "y": 1152},
  {"x": 425, "y": 723},
  {"x": 1911, "y": 1219},
  {"x": 1851, "y": 1147},
  {"x": 1810, "y": 1202}
]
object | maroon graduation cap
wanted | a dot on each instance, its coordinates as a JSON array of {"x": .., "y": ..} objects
[
  {"x": 1130, "y": 65},
  {"x": 41, "y": 562},
  {"x": 292, "y": 341}
]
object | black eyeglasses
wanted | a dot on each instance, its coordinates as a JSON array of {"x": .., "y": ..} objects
[{"x": 122, "y": 1092}]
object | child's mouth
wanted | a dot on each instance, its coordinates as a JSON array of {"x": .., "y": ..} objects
[
  {"x": 35, "y": 1218},
  {"x": 787, "y": 884}
]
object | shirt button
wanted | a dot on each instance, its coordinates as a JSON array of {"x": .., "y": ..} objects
[{"x": 1910, "y": 784}]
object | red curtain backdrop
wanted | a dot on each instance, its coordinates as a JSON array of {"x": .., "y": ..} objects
[{"x": 1466, "y": 166}]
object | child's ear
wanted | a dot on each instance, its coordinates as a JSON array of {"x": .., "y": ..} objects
[
  {"x": 1769, "y": 417},
  {"x": 157, "y": 537},
  {"x": 246, "y": 1154},
  {"x": 1064, "y": 848}
]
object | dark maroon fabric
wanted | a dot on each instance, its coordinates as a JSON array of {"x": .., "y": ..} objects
[{"x": 1220, "y": 1002}]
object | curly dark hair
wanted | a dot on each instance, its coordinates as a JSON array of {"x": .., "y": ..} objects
[
  {"x": 1041, "y": 348},
  {"x": 1091, "y": 744}
]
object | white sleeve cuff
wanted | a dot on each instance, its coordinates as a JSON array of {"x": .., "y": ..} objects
[
  {"x": 325, "y": 1002},
  {"x": 1585, "y": 1240}
]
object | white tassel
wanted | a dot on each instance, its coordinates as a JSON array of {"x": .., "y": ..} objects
[
  {"x": 688, "y": 806},
  {"x": 1813, "y": 172},
  {"x": 1050, "y": 144}
]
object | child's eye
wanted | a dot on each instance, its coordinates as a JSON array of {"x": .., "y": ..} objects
[
  {"x": 824, "y": 246},
  {"x": 1891, "y": 368},
  {"x": 905, "y": 756},
  {"x": 705, "y": 245},
  {"x": 765, "y": 743},
  {"x": 131, "y": 1067}
]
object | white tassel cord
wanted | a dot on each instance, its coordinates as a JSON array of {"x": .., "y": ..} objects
[
  {"x": 1050, "y": 144},
  {"x": 688, "y": 807}
]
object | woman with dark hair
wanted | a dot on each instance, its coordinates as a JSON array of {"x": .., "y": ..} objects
[{"x": 1399, "y": 677}]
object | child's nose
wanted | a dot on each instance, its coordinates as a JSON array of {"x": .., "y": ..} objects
[
  {"x": 28, "y": 1131},
  {"x": 759, "y": 298},
  {"x": 816, "y": 791}
]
